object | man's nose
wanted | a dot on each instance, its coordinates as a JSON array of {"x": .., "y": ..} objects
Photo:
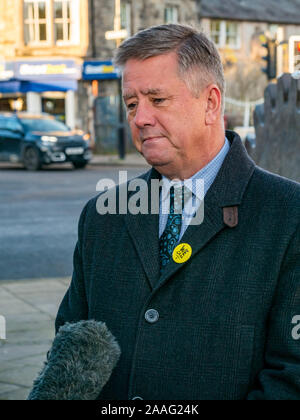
[{"x": 144, "y": 116}]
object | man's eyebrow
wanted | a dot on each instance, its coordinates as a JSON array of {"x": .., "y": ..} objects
[
  {"x": 151, "y": 92},
  {"x": 130, "y": 95},
  {"x": 145, "y": 92}
]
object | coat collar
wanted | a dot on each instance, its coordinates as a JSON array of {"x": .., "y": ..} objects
[{"x": 226, "y": 192}]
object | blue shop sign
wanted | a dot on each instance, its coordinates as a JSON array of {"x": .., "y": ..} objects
[
  {"x": 39, "y": 76},
  {"x": 99, "y": 70},
  {"x": 47, "y": 70}
]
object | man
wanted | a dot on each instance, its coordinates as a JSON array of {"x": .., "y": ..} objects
[{"x": 201, "y": 311}]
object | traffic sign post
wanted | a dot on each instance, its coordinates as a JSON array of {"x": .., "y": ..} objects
[{"x": 118, "y": 34}]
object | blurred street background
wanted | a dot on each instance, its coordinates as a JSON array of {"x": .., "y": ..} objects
[
  {"x": 38, "y": 230},
  {"x": 39, "y": 217},
  {"x": 56, "y": 66}
]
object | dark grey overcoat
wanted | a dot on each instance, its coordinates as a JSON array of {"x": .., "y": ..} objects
[{"x": 226, "y": 326}]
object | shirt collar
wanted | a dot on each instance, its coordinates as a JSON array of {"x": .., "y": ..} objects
[{"x": 207, "y": 174}]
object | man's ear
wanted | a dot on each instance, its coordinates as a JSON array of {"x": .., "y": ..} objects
[{"x": 214, "y": 104}]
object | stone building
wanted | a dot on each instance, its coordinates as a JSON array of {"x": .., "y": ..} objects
[
  {"x": 135, "y": 15},
  {"x": 239, "y": 28},
  {"x": 55, "y": 56},
  {"x": 236, "y": 32},
  {"x": 42, "y": 44}
]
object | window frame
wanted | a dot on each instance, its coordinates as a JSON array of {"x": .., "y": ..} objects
[
  {"x": 214, "y": 33},
  {"x": 223, "y": 34},
  {"x": 171, "y": 8},
  {"x": 237, "y": 36},
  {"x": 35, "y": 21},
  {"x": 72, "y": 21}
]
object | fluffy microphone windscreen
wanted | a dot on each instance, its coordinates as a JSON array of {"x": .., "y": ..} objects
[{"x": 79, "y": 363}]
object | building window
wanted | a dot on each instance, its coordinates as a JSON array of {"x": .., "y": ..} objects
[
  {"x": 51, "y": 22},
  {"x": 36, "y": 21},
  {"x": 126, "y": 16},
  {"x": 225, "y": 34},
  {"x": 66, "y": 22},
  {"x": 171, "y": 14},
  {"x": 232, "y": 38},
  {"x": 215, "y": 31}
]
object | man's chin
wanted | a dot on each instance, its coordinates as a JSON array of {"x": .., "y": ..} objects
[{"x": 156, "y": 161}]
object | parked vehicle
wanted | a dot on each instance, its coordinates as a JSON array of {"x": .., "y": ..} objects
[{"x": 37, "y": 140}]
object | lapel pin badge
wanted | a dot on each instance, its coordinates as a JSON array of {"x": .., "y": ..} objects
[{"x": 182, "y": 253}]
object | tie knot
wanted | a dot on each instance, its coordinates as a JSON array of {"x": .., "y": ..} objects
[{"x": 179, "y": 196}]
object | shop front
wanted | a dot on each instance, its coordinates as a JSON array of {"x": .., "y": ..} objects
[
  {"x": 44, "y": 86},
  {"x": 10, "y": 97}
]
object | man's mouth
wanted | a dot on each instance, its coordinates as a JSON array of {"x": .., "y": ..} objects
[{"x": 152, "y": 138}]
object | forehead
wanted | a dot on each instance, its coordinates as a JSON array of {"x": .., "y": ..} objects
[{"x": 154, "y": 74}]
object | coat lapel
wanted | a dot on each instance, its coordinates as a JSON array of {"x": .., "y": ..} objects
[
  {"x": 226, "y": 192},
  {"x": 144, "y": 231}
]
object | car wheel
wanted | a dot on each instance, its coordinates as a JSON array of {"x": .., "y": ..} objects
[
  {"x": 31, "y": 160},
  {"x": 79, "y": 165}
]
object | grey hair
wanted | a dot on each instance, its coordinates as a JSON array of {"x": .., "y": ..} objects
[{"x": 199, "y": 62}]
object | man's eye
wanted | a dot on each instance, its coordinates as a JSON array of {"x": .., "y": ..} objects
[
  {"x": 131, "y": 106},
  {"x": 158, "y": 100}
]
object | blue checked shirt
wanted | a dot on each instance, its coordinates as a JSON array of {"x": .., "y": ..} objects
[{"x": 199, "y": 184}]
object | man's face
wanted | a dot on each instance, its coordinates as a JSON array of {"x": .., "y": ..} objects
[{"x": 167, "y": 122}]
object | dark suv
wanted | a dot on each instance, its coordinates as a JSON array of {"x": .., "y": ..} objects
[{"x": 37, "y": 140}]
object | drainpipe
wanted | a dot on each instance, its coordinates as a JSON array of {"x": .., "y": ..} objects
[{"x": 93, "y": 35}]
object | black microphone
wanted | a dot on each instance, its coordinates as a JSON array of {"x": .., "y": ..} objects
[{"x": 79, "y": 363}]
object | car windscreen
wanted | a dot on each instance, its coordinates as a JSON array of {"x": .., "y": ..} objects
[
  {"x": 11, "y": 124},
  {"x": 43, "y": 125}
]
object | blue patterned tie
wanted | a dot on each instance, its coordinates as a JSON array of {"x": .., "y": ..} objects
[{"x": 171, "y": 234}]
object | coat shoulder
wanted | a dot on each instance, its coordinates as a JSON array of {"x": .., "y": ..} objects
[
  {"x": 277, "y": 191},
  {"x": 276, "y": 183},
  {"x": 90, "y": 212}
]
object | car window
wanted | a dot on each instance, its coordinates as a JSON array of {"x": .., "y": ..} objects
[
  {"x": 10, "y": 124},
  {"x": 43, "y": 125},
  {"x": 14, "y": 125}
]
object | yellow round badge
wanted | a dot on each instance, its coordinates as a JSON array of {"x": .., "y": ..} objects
[{"x": 182, "y": 253}]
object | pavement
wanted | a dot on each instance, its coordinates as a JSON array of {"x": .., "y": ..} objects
[
  {"x": 130, "y": 160},
  {"x": 29, "y": 308}
]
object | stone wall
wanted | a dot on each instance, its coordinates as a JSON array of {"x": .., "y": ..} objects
[
  {"x": 8, "y": 25},
  {"x": 145, "y": 13}
]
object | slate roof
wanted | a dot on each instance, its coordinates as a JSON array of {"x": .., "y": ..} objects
[{"x": 272, "y": 11}]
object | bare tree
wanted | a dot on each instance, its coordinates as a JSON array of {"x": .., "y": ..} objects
[{"x": 246, "y": 81}]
